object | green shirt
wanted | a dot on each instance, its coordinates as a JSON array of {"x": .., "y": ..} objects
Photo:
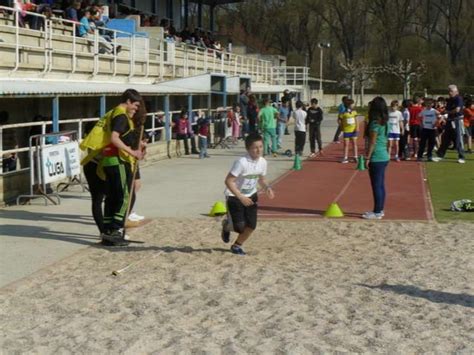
[
  {"x": 380, "y": 153},
  {"x": 267, "y": 117}
]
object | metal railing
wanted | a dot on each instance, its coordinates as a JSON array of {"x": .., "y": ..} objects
[
  {"x": 291, "y": 75},
  {"x": 182, "y": 59},
  {"x": 78, "y": 125}
]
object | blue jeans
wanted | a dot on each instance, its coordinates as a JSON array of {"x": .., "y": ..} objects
[
  {"x": 245, "y": 127},
  {"x": 377, "y": 180},
  {"x": 202, "y": 147},
  {"x": 281, "y": 131}
]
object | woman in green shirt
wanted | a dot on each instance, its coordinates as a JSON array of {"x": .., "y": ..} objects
[{"x": 377, "y": 156}]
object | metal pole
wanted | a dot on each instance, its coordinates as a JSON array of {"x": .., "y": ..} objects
[
  {"x": 190, "y": 113},
  {"x": 167, "y": 118},
  {"x": 55, "y": 115},
  {"x": 102, "y": 106},
  {"x": 321, "y": 71}
]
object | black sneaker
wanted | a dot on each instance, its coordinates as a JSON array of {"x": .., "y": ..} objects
[
  {"x": 114, "y": 238},
  {"x": 237, "y": 249},
  {"x": 225, "y": 235}
]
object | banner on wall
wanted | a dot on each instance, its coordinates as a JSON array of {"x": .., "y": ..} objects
[{"x": 60, "y": 161}]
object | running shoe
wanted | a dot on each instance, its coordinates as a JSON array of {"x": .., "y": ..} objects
[
  {"x": 135, "y": 217},
  {"x": 461, "y": 161},
  {"x": 114, "y": 238},
  {"x": 345, "y": 161},
  {"x": 372, "y": 215},
  {"x": 225, "y": 234},
  {"x": 237, "y": 249}
]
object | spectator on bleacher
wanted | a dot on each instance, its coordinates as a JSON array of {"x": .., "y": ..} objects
[
  {"x": 97, "y": 22},
  {"x": 99, "y": 19},
  {"x": 38, "y": 6},
  {"x": 145, "y": 21},
  {"x": 73, "y": 12},
  {"x": 186, "y": 36},
  {"x": 218, "y": 47},
  {"x": 85, "y": 30}
]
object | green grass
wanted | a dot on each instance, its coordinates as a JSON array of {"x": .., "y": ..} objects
[{"x": 449, "y": 181}]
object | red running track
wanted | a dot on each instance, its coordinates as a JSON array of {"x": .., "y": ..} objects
[{"x": 323, "y": 180}]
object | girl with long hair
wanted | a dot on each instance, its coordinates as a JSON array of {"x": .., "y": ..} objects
[{"x": 377, "y": 156}]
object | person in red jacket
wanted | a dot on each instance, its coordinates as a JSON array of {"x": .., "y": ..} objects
[{"x": 415, "y": 124}]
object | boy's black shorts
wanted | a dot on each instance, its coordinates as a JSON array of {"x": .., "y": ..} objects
[
  {"x": 241, "y": 214},
  {"x": 415, "y": 131}
]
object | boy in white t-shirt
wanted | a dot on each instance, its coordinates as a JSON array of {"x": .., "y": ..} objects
[
  {"x": 300, "y": 127},
  {"x": 395, "y": 128},
  {"x": 429, "y": 118},
  {"x": 241, "y": 192}
]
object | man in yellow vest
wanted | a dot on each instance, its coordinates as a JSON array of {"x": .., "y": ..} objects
[{"x": 110, "y": 143}]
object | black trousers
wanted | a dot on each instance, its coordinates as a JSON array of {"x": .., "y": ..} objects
[
  {"x": 427, "y": 136},
  {"x": 315, "y": 136},
  {"x": 97, "y": 191},
  {"x": 300, "y": 138},
  {"x": 403, "y": 149},
  {"x": 117, "y": 192},
  {"x": 337, "y": 134},
  {"x": 184, "y": 138},
  {"x": 452, "y": 134}
]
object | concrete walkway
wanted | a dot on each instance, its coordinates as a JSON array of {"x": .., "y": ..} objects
[{"x": 35, "y": 236}]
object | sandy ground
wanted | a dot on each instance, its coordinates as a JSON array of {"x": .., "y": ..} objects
[{"x": 305, "y": 287}]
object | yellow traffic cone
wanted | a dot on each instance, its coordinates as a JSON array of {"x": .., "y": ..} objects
[
  {"x": 333, "y": 211},
  {"x": 219, "y": 209}
]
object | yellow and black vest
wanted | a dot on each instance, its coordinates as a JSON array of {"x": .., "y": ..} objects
[{"x": 99, "y": 138}]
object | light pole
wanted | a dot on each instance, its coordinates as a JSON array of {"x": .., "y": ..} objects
[{"x": 321, "y": 46}]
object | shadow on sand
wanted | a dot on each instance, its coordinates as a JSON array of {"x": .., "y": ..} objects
[{"x": 461, "y": 299}]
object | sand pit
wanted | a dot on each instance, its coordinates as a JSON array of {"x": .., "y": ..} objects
[{"x": 305, "y": 287}]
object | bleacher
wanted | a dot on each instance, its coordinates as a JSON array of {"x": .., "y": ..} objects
[{"x": 55, "y": 50}]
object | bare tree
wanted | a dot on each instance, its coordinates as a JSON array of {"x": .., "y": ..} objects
[
  {"x": 346, "y": 20},
  {"x": 407, "y": 72},
  {"x": 392, "y": 18}
]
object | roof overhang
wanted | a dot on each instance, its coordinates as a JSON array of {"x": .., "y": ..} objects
[
  {"x": 38, "y": 87},
  {"x": 273, "y": 89}
]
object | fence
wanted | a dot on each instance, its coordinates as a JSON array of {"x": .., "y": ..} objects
[{"x": 78, "y": 125}]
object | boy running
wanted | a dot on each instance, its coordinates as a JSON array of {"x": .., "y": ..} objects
[
  {"x": 241, "y": 192},
  {"x": 395, "y": 128}
]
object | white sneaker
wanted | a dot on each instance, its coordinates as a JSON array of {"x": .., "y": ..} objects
[
  {"x": 372, "y": 215},
  {"x": 345, "y": 161},
  {"x": 461, "y": 161},
  {"x": 125, "y": 236},
  {"x": 436, "y": 159},
  {"x": 135, "y": 217}
]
